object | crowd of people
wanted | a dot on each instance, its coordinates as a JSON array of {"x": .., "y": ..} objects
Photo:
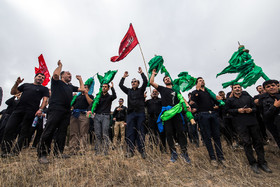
[{"x": 242, "y": 121}]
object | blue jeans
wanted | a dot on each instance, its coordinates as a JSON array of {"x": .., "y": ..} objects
[
  {"x": 210, "y": 128},
  {"x": 135, "y": 131}
]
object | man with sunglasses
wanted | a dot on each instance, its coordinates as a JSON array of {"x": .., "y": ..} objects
[
  {"x": 135, "y": 113},
  {"x": 119, "y": 116}
]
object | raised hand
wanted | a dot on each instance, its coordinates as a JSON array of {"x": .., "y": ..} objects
[
  {"x": 140, "y": 70},
  {"x": 19, "y": 80}
]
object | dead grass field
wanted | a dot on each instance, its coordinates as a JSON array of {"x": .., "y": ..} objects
[{"x": 156, "y": 170}]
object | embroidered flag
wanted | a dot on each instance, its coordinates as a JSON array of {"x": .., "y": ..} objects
[{"x": 43, "y": 69}]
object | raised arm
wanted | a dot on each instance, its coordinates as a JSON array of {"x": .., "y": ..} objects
[
  {"x": 14, "y": 89},
  {"x": 57, "y": 71},
  {"x": 123, "y": 88},
  {"x": 152, "y": 79},
  {"x": 114, "y": 95},
  {"x": 82, "y": 87},
  {"x": 144, "y": 78}
]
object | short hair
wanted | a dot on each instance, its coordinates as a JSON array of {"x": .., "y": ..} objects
[
  {"x": 270, "y": 82},
  {"x": 40, "y": 74},
  {"x": 136, "y": 80},
  {"x": 258, "y": 86},
  {"x": 221, "y": 91},
  {"x": 196, "y": 81},
  {"x": 121, "y": 99},
  {"x": 165, "y": 77}
]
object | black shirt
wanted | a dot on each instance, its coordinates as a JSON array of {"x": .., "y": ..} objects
[
  {"x": 105, "y": 103},
  {"x": 154, "y": 106},
  {"x": 12, "y": 103},
  {"x": 120, "y": 115},
  {"x": 81, "y": 102},
  {"x": 61, "y": 96},
  {"x": 269, "y": 110},
  {"x": 136, "y": 99},
  {"x": 168, "y": 96},
  {"x": 31, "y": 96},
  {"x": 244, "y": 101},
  {"x": 203, "y": 101}
]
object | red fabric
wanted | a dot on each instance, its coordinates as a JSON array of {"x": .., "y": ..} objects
[
  {"x": 43, "y": 69},
  {"x": 127, "y": 44}
]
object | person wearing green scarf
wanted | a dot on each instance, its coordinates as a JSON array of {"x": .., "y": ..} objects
[{"x": 175, "y": 124}]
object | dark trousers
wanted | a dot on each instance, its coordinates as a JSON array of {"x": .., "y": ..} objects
[
  {"x": 251, "y": 135},
  {"x": 4, "y": 120},
  {"x": 210, "y": 128},
  {"x": 58, "y": 122},
  {"x": 135, "y": 131},
  {"x": 155, "y": 136},
  {"x": 193, "y": 133},
  {"x": 18, "y": 119},
  {"x": 274, "y": 129},
  {"x": 175, "y": 126},
  {"x": 39, "y": 131}
]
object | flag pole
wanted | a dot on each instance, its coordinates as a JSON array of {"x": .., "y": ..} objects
[{"x": 144, "y": 64}]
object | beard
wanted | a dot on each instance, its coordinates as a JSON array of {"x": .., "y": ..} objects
[{"x": 168, "y": 83}]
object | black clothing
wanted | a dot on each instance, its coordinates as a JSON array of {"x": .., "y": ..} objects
[
  {"x": 105, "y": 102},
  {"x": 136, "y": 99},
  {"x": 58, "y": 118},
  {"x": 168, "y": 95},
  {"x": 154, "y": 106},
  {"x": 243, "y": 93},
  {"x": 174, "y": 126},
  {"x": 61, "y": 96},
  {"x": 247, "y": 127},
  {"x": 31, "y": 96},
  {"x": 120, "y": 115},
  {"x": 23, "y": 116},
  {"x": 244, "y": 101},
  {"x": 81, "y": 102},
  {"x": 271, "y": 115},
  {"x": 12, "y": 103},
  {"x": 203, "y": 100}
]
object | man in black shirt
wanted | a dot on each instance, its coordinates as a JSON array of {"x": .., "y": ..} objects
[
  {"x": 259, "y": 112},
  {"x": 208, "y": 121},
  {"x": 270, "y": 104},
  {"x": 135, "y": 113},
  {"x": 59, "y": 114},
  {"x": 25, "y": 111},
  {"x": 175, "y": 124},
  {"x": 119, "y": 116},
  {"x": 102, "y": 119},
  {"x": 11, "y": 103},
  {"x": 243, "y": 110},
  {"x": 154, "y": 106},
  {"x": 79, "y": 123}
]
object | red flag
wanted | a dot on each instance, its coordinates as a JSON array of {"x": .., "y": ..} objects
[
  {"x": 43, "y": 69},
  {"x": 127, "y": 44}
]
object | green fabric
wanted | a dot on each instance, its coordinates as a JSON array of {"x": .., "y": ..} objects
[
  {"x": 106, "y": 79},
  {"x": 242, "y": 63},
  {"x": 157, "y": 63}
]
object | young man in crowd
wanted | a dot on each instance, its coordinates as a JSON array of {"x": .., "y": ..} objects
[
  {"x": 135, "y": 113},
  {"x": 243, "y": 111},
  {"x": 24, "y": 113},
  {"x": 175, "y": 124},
  {"x": 59, "y": 114},
  {"x": 208, "y": 122}
]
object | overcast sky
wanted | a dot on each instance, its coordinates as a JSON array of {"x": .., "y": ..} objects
[{"x": 195, "y": 36}]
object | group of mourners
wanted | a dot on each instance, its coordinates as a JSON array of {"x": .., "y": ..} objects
[{"x": 243, "y": 119}]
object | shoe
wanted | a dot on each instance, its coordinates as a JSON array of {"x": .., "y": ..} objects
[
  {"x": 186, "y": 157},
  {"x": 255, "y": 168},
  {"x": 265, "y": 168},
  {"x": 174, "y": 157},
  {"x": 214, "y": 163},
  {"x": 224, "y": 163},
  {"x": 63, "y": 156},
  {"x": 143, "y": 155},
  {"x": 43, "y": 160}
]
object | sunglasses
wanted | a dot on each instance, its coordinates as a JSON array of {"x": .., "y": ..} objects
[{"x": 133, "y": 81}]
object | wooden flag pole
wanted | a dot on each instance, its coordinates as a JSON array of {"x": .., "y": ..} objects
[{"x": 144, "y": 64}]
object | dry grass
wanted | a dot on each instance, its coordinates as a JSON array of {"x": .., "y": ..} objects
[{"x": 156, "y": 170}]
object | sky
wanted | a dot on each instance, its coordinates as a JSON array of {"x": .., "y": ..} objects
[{"x": 195, "y": 36}]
